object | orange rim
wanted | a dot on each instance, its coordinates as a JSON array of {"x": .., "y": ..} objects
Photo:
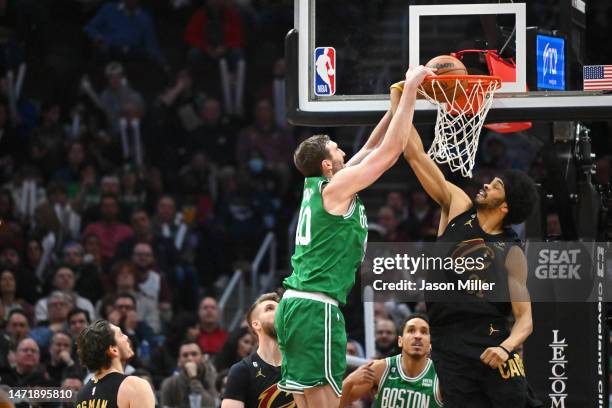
[
  {"x": 471, "y": 79},
  {"x": 460, "y": 102}
]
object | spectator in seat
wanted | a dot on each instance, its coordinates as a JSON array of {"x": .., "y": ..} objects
[
  {"x": 11, "y": 232},
  {"x": 165, "y": 254},
  {"x": 195, "y": 376},
  {"x": 275, "y": 145},
  {"x": 124, "y": 30},
  {"x": 78, "y": 319},
  {"x": 17, "y": 328},
  {"x": 124, "y": 315},
  {"x": 166, "y": 223},
  {"x": 197, "y": 177},
  {"x": 57, "y": 216},
  {"x": 184, "y": 326},
  {"x": 133, "y": 195},
  {"x": 27, "y": 371},
  {"x": 175, "y": 118},
  {"x": 93, "y": 256},
  {"x": 215, "y": 33},
  {"x": 388, "y": 220},
  {"x": 109, "y": 230},
  {"x": 28, "y": 285},
  {"x": 74, "y": 383},
  {"x": 215, "y": 135},
  {"x": 151, "y": 283},
  {"x": 49, "y": 137},
  {"x": 117, "y": 94},
  {"x": 395, "y": 201},
  {"x": 63, "y": 280},
  {"x": 8, "y": 296},
  {"x": 212, "y": 336},
  {"x": 239, "y": 344},
  {"x": 385, "y": 338},
  {"x": 60, "y": 358},
  {"x": 421, "y": 220},
  {"x": 124, "y": 278},
  {"x": 58, "y": 305},
  {"x": 34, "y": 255},
  {"x": 88, "y": 277},
  {"x": 71, "y": 172}
]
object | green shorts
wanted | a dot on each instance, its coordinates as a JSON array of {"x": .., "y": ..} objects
[{"x": 312, "y": 341}]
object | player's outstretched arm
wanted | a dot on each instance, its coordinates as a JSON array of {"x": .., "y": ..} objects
[
  {"x": 373, "y": 141},
  {"x": 353, "y": 179},
  {"x": 451, "y": 199},
  {"x": 427, "y": 171},
  {"x": 134, "y": 392},
  {"x": 361, "y": 381}
]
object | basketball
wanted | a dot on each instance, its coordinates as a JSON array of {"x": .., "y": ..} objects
[
  {"x": 444, "y": 65},
  {"x": 447, "y": 65}
]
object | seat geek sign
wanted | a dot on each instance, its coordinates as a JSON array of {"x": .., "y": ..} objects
[{"x": 560, "y": 271}]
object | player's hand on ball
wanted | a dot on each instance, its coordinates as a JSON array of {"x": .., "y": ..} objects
[
  {"x": 416, "y": 75},
  {"x": 363, "y": 375},
  {"x": 494, "y": 357}
]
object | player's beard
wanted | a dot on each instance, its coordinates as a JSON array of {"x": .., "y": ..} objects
[
  {"x": 269, "y": 329},
  {"x": 337, "y": 165},
  {"x": 483, "y": 205}
]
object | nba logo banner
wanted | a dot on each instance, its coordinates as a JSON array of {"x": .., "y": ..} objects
[{"x": 325, "y": 71}]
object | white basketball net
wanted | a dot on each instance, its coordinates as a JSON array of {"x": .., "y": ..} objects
[{"x": 458, "y": 127}]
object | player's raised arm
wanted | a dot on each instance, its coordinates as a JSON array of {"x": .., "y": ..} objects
[
  {"x": 356, "y": 178},
  {"x": 432, "y": 179},
  {"x": 373, "y": 141}
]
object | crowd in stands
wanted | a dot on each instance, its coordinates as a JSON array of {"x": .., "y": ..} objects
[
  {"x": 142, "y": 157},
  {"x": 144, "y": 154}
]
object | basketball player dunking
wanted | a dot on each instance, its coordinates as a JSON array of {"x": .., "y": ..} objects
[
  {"x": 330, "y": 237},
  {"x": 472, "y": 346},
  {"x": 104, "y": 349}
]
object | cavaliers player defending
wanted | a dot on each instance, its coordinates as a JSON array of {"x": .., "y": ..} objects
[
  {"x": 473, "y": 347},
  {"x": 104, "y": 349}
]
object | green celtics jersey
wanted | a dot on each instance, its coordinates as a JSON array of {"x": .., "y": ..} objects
[
  {"x": 328, "y": 248},
  {"x": 397, "y": 390}
]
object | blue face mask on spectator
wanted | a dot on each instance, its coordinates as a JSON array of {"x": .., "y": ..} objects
[{"x": 256, "y": 165}]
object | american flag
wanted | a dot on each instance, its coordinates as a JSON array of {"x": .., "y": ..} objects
[{"x": 597, "y": 77}]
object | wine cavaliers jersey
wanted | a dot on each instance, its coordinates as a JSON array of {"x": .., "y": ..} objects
[
  {"x": 464, "y": 237},
  {"x": 100, "y": 393},
  {"x": 253, "y": 381}
]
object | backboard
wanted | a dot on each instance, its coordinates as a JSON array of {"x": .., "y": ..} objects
[{"x": 343, "y": 55}]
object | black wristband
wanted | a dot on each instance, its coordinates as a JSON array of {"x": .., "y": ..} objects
[{"x": 506, "y": 350}]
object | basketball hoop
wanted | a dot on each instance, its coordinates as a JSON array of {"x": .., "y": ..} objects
[{"x": 462, "y": 102}]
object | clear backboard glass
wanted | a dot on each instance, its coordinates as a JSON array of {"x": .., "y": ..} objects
[{"x": 343, "y": 55}]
